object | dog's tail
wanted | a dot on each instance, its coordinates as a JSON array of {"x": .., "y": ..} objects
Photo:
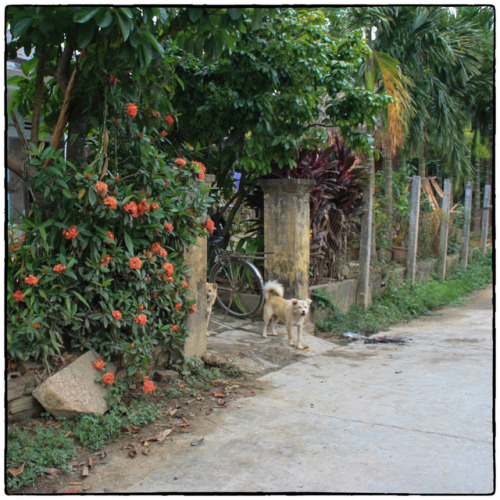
[{"x": 273, "y": 288}]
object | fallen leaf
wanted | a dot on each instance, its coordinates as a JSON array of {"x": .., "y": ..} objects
[
  {"x": 18, "y": 471},
  {"x": 92, "y": 461},
  {"x": 219, "y": 395},
  {"x": 198, "y": 442},
  {"x": 173, "y": 412},
  {"x": 52, "y": 472},
  {"x": 161, "y": 437},
  {"x": 146, "y": 451},
  {"x": 132, "y": 453},
  {"x": 85, "y": 471},
  {"x": 72, "y": 490},
  {"x": 75, "y": 483}
]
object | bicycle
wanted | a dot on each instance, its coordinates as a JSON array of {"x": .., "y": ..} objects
[{"x": 240, "y": 287}]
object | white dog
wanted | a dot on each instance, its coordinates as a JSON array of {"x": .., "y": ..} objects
[{"x": 292, "y": 312}]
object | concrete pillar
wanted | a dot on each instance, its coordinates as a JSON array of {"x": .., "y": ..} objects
[
  {"x": 364, "y": 291},
  {"x": 196, "y": 260},
  {"x": 485, "y": 217},
  {"x": 287, "y": 233},
  {"x": 464, "y": 251},
  {"x": 411, "y": 259},
  {"x": 445, "y": 225}
]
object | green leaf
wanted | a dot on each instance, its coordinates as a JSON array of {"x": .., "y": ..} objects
[
  {"x": 85, "y": 14},
  {"x": 234, "y": 13},
  {"x": 19, "y": 26},
  {"x": 128, "y": 243},
  {"x": 104, "y": 18},
  {"x": 124, "y": 26},
  {"x": 195, "y": 14},
  {"x": 76, "y": 294},
  {"x": 92, "y": 198},
  {"x": 85, "y": 35}
]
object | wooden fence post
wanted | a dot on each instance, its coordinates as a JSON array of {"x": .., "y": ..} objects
[
  {"x": 366, "y": 238},
  {"x": 411, "y": 259},
  {"x": 464, "y": 251},
  {"x": 443, "y": 235},
  {"x": 485, "y": 217}
]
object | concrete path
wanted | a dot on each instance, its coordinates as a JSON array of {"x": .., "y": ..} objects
[{"x": 361, "y": 418}]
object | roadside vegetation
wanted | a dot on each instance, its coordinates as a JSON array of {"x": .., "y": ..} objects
[
  {"x": 400, "y": 302},
  {"x": 45, "y": 446}
]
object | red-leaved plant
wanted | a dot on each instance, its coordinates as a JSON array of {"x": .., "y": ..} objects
[{"x": 335, "y": 201}]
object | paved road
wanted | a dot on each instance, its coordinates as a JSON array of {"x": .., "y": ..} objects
[{"x": 361, "y": 418}]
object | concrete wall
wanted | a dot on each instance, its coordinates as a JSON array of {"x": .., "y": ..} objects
[{"x": 343, "y": 293}]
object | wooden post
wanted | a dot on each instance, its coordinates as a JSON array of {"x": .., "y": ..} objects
[
  {"x": 366, "y": 238},
  {"x": 443, "y": 235},
  {"x": 485, "y": 217},
  {"x": 464, "y": 251},
  {"x": 411, "y": 259}
]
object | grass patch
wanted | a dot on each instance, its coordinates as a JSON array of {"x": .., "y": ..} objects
[
  {"x": 402, "y": 302},
  {"x": 30, "y": 452}
]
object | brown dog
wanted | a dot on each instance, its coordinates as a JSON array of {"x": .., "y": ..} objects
[
  {"x": 211, "y": 297},
  {"x": 292, "y": 312}
]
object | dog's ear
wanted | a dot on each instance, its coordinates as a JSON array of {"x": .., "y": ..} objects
[
  {"x": 309, "y": 301},
  {"x": 215, "y": 286},
  {"x": 294, "y": 301}
]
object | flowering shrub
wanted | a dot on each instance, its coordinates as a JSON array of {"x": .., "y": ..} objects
[{"x": 101, "y": 261}]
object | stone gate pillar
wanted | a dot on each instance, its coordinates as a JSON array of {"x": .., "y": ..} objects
[
  {"x": 196, "y": 260},
  {"x": 287, "y": 233}
]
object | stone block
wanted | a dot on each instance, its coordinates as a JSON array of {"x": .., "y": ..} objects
[{"x": 73, "y": 390}]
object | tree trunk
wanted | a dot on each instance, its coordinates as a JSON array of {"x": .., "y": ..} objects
[
  {"x": 476, "y": 226},
  {"x": 421, "y": 160}
]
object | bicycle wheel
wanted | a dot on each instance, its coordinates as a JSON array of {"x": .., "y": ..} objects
[{"x": 239, "y": 286}]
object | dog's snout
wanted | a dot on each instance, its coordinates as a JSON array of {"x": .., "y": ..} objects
[{"x": 303, "y": 313}]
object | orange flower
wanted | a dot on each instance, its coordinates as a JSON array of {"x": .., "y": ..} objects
[
  {"x": 111, "y": 202},
  {"x": 135, "y": 263},
  {"x": 131, "y": 207},
  {"x": 106, "y": 260},
  {"x": 201, "y": 176},
  {"x": 149, "y": 386},
  {"x": 169, "y": 119},
  {"x": 108, "y": 378},
  {"x": 193, "y": 309},
  {"x": 168, "y": 226},
  {"x": 31, "y": 280},
  {"x": 141, "y": 319},
  {"x": 177, "y": 306},
  {"x": 169, "y": 268},
  {"x": 181, "y": 161},
  {"x": 155, "y": 206},
  {"x": 102, "y": 187},
  {"x": 70, "y": 233},
  {"x": 117, "y": 315},
  {"x": 163, "y": 133},
  {"x": 18, "y": 295},
  {"x": 143, "y": 207},
  {"x": 58, "y": 268},
  {"x": 210, "y": 225},
  {"x": 184, "y": 284},
  {"x": 131, "y": 109},
  {"x": 113, "y": 79},
  {"x": 99, "y": 364},
  {"x": 36, "y": 325},
  {"x": 174, "y": 328},
  {"x": 141, "y": 307},
  {"x": 111, "y": 237}
]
